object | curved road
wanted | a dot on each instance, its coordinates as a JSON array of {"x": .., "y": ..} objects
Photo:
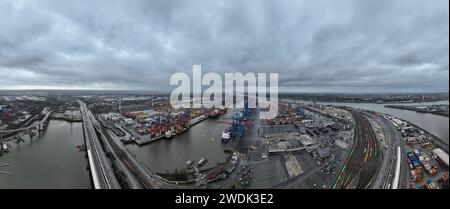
[
  {"x": 361, "y": 165},
  {"x": 45, "y": 111}
]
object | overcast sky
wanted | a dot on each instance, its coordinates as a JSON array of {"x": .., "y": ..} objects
[{"x": 315, "y": 46}]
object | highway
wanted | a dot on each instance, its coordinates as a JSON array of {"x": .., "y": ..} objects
[
  {"x": 100, "y": 166},
  {"x": 140, "y": 173},
  {"x": 403, "y": 168},
  {"x": 388, "y": 167},
  {"x": 360, "y": 167},
  {"x": 44, "y": 111},
  {"x": 397, "y": 145}
]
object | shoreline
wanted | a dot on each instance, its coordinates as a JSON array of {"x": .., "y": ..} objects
[
  {"x": 143, "y": 141},
  {"x": 438, "y": 142},
  {"x": 400, "y": 107},
  {"x": 370, "y": 102}
]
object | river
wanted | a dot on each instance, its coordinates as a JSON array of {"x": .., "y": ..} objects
[{"x": 49, "y": 161}]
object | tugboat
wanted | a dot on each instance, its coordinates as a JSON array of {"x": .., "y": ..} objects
[
  {"x": 226, "y": 136},
  {"x": 168, "y": 134},
  {"x": 5, "y": 148},
  {"x": 202, "y": 162}
]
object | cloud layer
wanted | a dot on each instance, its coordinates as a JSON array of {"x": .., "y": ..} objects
[{"x": 315, "y": 46}]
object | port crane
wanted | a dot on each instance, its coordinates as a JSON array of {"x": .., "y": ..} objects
[{"x": 239, "y": 120}]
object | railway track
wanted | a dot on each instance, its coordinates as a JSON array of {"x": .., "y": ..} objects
[
  {"x": 143, "y": 182},
  {"x": 362, "y": 164}
]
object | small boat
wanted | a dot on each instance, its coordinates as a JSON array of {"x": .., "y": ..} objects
[
  {"x": 168, "y": 134},
  {"x": 202, "y": 162},
  {"x": 5, "y": 148},
  {"x": 226, "y": 136},
  {"x": 127, "y": 140},
  {"x": 189, "y": 163},
  {"x": 264, "y": 155}
]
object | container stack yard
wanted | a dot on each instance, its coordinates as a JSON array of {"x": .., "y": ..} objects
[
  {"x": 444, "y": 181},
  {"x": 426, "y": 158},
  {"x": 287, "y": 115},
  {"x": 162, "y": 123}
]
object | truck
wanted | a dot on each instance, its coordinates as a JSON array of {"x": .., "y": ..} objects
[{"x": 430, "y": 185}]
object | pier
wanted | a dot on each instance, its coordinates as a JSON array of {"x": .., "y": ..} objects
[
  {"x": 4, "y": 165},
  {"x": 145, "y": 140}
]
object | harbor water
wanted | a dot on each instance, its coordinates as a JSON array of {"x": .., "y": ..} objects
[
  {"x": 201, "y": 140},
  {"x": 50, "y": 160}
]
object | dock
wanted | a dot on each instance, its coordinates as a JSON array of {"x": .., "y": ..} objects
[
  {"x": 5, "y": 172},
  {"x": 5, "y": 164},
  {"x": 146, "y": 140}
]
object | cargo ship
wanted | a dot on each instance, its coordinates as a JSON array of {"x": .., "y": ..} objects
[
  {"x": 216, "y": 113},
  {"x": 226, "y": 136},
  {"x": 198, "y": 119}
]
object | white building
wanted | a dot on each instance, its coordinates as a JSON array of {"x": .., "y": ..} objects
[
  {"x": 306, "y": 140},
  {"x": 129, "y": 121}
]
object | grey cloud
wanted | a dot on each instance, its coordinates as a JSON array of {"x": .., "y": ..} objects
[{"x": 350, "y": 45}]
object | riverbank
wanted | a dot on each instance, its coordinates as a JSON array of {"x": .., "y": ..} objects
[
  {"x": 371, "y": 102},
  {"x": 30, "y": 120},
  {"x": 69, "y": 116},
  {"x": 140, "y": 140},
  {"x": 435, "y": 140},
  {"x": 415, "y": 109},
  {"x": 436, "y": 124}
]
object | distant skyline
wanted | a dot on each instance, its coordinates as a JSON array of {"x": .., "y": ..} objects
[{"x": 348, "y": 46}]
